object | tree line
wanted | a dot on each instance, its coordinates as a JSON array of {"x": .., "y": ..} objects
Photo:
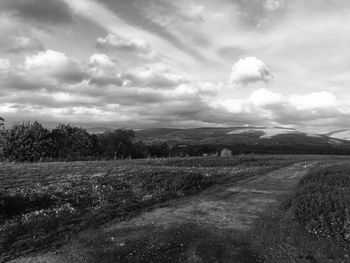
[{"x": 31, "y": 142}]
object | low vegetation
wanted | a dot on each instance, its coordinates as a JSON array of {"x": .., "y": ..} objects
[
  {"x": 313, "y": 224},
  {"x": 46, "y": 204},
  {"x": 36, "y": 215},
  {"x": 247, "y": 160}
]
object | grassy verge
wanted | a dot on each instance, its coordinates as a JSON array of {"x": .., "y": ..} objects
[{"x": 313, "y": 223}]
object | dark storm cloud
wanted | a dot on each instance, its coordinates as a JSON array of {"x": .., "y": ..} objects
[{"x": 41, "y": 11}]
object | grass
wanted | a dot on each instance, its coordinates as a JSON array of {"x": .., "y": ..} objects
[
  {"x": 34, "y": 216},
  {"x": 46, "y": 204},
  {"x": 313, "y": 223},
  {"x": 180, "y": 243},
  {"x": 220, "y": 162}
]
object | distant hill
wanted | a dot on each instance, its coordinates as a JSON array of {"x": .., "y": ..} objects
[
  {"x": 245, "y": 139},
  {"x": 248, "y": 135}
]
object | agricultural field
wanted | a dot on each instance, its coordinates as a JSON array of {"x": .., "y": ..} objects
[{"x": 203, "y": 209}]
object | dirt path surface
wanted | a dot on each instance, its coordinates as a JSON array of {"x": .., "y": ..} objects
[
  {"x": 230, "y": 206},
  {"x": 180, "y": 232}
]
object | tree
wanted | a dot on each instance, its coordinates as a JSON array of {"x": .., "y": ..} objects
[
  {"x": 117, "y": 144},
  {"x": 72, "y": 143},
  {"x": 2, "y": 138},
  {"x": 26, "y": 142}
]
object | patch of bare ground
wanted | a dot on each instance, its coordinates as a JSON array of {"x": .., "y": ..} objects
[{"x": 209, "y": 227}]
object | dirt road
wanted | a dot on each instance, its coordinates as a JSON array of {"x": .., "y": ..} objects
[{"x": 209, "y": 227}]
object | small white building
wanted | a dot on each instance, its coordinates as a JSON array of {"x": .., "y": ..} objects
[{"x": 225, "y": 153}]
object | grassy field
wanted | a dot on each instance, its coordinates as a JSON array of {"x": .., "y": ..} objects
[{"x": 45, "y": 205}]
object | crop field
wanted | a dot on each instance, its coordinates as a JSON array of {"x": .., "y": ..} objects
[{"x": 155, "y": 209}]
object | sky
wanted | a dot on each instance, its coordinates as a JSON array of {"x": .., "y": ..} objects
[{"x": 186, "y": 63}]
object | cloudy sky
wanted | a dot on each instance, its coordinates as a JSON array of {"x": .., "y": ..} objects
[{"x": 185, "y": 63}]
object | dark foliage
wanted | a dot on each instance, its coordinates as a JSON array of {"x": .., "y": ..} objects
[
  {"x": 72, "y": 143},
  {"x": 26, "y": 142},
  {"x": 31, "y": 142},
  {"x": 117, "y": 144}
]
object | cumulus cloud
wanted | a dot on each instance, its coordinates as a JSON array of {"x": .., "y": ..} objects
[
  {"x": 271, "y": 108},
  {"x": 40, "y": 11},
  {"x": 249, "y": 70},
  {"x": 101, "y": 60},
  {"x": 117, "y": 43},
  {"x": 54, "y": 64},
  {"x": 103, "y": 71},
  {"x": 264, "y": 97},
  {"x": 315, "y": 100}
]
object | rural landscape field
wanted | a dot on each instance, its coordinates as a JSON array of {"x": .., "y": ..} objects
[
  {"x": 251, "y": 208},
  {"x": 162, "y": 131}
]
